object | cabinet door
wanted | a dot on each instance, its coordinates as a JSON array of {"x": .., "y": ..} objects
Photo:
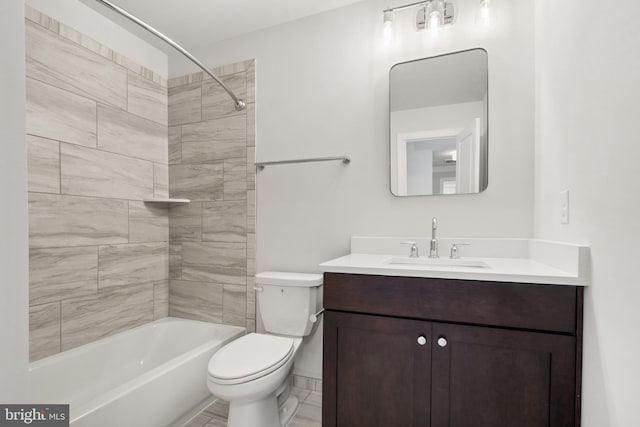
[
  {"x": 376, "y": 371},
  {"x": 487, "y": 377}
]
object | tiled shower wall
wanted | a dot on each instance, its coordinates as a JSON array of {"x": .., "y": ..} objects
[
  {"x": 97, "y": 145},
  {"x": 211, "y": 162}
]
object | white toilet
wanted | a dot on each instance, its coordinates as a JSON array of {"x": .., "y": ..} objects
[{"x": 251, "y": 372}]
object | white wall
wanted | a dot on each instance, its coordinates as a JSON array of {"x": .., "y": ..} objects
[
  {"x": 14, "y": 322},
  {"x": 86, "y": 20},
  {"x": 587, "y": 141},
  {"x": 322, "y": 90}
]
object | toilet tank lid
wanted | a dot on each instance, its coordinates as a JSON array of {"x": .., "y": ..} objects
[{"x": 281, "y": 278}]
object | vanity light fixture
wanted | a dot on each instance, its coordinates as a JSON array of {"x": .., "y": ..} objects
[{"x": 430, "y": 14}]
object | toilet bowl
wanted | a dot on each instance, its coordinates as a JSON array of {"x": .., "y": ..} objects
[
  {"x": 251, "y": 372},
  {"x": 248, "y": 372}
]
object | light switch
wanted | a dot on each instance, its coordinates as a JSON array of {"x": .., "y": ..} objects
[{"x": 564, "y": 207}]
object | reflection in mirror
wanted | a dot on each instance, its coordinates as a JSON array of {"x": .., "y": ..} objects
[{"x": 438, "y": 124}]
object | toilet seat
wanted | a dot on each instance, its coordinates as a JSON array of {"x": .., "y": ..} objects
[{"x": 249, "y": 357}]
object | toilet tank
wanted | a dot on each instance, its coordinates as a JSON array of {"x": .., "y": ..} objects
[{"x": 287, "y": 300}]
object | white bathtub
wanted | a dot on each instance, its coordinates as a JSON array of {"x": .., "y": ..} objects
[{"x": 152, "y": 375}]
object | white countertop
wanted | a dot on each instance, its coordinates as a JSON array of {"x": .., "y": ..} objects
[{"x": 541, "y": 262}]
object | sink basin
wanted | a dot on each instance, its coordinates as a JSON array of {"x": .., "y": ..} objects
[{"x": 438, "y": 262}]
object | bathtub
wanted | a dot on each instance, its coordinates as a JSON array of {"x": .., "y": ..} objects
[{"x": 153, "y": 375}]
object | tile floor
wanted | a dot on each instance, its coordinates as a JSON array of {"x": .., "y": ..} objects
[{"x": 308, "y": 414}]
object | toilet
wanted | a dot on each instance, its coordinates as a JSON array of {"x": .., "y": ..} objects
[{"x": 253, "y": 372}]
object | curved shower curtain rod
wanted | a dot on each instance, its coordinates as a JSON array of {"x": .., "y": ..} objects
[{"x": 240, "y": 104}]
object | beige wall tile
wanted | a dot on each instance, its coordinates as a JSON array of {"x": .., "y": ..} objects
[
  {"x": 40, "y": 18},
  {"x": 147, "y": 99},
  {"x": 251, "y": 211},
  {"x": 148, "y": 222},
  {"x": 224, "y": 221},
  {"x": 251, "y": 125},
  {"x": 251, "y": 325},
  {"x": 251, "y": 168},
  {"x": 216, "y": 102},
  {"x": 233, "y": 68},
  {"x": 227, "y": 129},
  {"x": 44, "y": 164},
  {"x": 251, "y": 245},
  {"x": 57, "y": 221},
  {"x": 201, "y": 182},
  {"x": 160, "y": 300},
  {"x": 251, "y": 298},
  {"x": 125, "y": 133},
  {"x": 60, "y": 273},
  {"x": 251, "y": 158},
  {"x": 175, "y": 261},
  {"x": 214, "y": 261},
  {"x": 64, "y": 64},
  {"x": 138, "y": 69},
  {"x": 89, "y": 172},
  {"x": 88, "y": 43},
  {"x": 208, "y": 151},
  {"x": 214, "y": 140},
  {"x": 56, "y": 114},
  {"x": 44, "y": 330},
  {"x": 179, "y": 81},
  {"x": 175, "y": 145},
  {"x": 226, "y": 254},
  {"x": 235, "y": 179},
  {"x": 251, "y": 83},
  {"x": 195, "y": 300},
  {"x": 234, "y": 305},
  {"x": 219, "y": 135},
  {"x": 113, "y": 310},
  {"x": 85, "y": 41},
  {"x": 160, "y": 180},
  {"x": 185, "y": 104},
  {"x": 214, "y": 273},
  {"x": 251, "y": 266},
  {"x": 122, "y": 265},
  {"x": 185, "y": 223}
]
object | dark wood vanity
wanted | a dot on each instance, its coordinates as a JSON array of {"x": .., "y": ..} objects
[{"x": 408, "y": 351}]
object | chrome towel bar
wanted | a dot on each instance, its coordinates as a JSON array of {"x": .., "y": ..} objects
[{"x": 344, "y": 159}]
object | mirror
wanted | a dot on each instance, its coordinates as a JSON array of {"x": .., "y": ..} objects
[{"x": 438, "y": 124}]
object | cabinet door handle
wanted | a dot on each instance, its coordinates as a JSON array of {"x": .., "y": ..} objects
[
  {"x": 422, "y": 340},
  {"x": 442, "y": 342}
]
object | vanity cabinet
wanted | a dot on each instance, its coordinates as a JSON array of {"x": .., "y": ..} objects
[{"x": 402, "y": 351}]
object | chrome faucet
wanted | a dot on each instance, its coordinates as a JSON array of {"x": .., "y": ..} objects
[{"x": 433, "y": 247}]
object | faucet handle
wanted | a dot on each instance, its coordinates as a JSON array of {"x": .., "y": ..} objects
[
  {"x": 413, "y": 249},
  {"x": 455, "y": 252}
]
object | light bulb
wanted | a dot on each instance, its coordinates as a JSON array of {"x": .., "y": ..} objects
[
  {"x": 387, "y": 26},
  {"x": 433, "y": 24},
  {"x": 484, "y": 13},
  {"x": 434, "y": 16}
]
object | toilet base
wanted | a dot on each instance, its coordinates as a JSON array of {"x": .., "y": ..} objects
[
  {"x": 257, "y": 413},
  {"x": 287, "y": 410},
  {"x": 262, "y": 413}
]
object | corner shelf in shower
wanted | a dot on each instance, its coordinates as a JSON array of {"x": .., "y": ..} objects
[{"x": 167, "y": 201}]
